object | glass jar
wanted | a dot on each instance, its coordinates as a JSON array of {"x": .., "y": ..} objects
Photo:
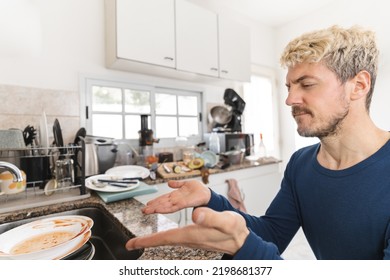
[{"x": 214, "y": 144}]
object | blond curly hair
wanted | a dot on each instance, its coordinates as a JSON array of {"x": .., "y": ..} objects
[{"x": 346, "y": 52}]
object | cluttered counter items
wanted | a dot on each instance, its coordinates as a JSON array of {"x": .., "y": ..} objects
[{"x": 164, "y": 176}]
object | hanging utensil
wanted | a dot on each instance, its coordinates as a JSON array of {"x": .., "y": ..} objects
[{"x": 29, "y": 134}]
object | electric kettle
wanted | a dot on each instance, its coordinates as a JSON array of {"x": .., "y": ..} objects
[{"x": 91, "y": 159}]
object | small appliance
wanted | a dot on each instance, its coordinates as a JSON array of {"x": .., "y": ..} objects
[
  {"x": 228, "y": 118},
  {"x": 233, "y": 141},
  {"x": 146, "y": 139}
]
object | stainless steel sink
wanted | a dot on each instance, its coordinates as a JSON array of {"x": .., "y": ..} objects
[{"x": 108, "y": 236}]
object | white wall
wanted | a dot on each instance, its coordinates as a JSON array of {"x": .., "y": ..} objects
[
  {"x": 346, "y": 13},
  {"x": 71, "y": 42}
]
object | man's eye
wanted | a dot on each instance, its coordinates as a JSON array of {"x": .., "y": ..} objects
[{"x": 307, "y": 85}]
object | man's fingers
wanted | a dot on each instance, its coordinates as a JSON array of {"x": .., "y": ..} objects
[
  {"x": 169, "y": 237},
  {"x": 207, "y": 217},
  {"x": 175, "y": 184}
]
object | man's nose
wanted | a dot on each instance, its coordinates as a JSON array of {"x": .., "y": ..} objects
[{"x": 293, "y": 97}]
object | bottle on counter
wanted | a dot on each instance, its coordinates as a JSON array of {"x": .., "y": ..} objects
[
  {"x": 262, "y": 150},
  {"x": 214, "y": 145}
]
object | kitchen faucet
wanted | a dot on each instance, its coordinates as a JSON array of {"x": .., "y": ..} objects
[{"x": 13, "y": 169}]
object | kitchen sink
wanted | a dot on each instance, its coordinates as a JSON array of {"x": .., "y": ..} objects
[{"x": 108, "y": 236}]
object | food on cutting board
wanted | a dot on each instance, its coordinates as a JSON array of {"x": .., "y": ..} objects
[
  {"x": 177, "y": 169},
  {"x": 196, "y": 163},
  {"x": 166, "y": 168}
]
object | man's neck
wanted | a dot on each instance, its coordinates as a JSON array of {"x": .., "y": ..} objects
[{"x": 351, "y": 146}]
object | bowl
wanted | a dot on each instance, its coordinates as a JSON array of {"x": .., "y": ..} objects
[{"x": 235, "y": 157}]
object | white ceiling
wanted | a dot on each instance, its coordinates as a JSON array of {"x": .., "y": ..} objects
[{"x": 270, "y": 12}]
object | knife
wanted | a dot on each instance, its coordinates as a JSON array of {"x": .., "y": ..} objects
[
  {"x": 124, "y": 185},
  {"x": 124, "y": 180},
  {"x": 132, "y": 178},
  {"x": 117, "y": 181}
]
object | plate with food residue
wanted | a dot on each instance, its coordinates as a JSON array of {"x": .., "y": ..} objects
[{"x": 47, "y": 238}]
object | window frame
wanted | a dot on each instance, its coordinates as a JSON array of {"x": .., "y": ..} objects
[{"x": 86, "y": 103}]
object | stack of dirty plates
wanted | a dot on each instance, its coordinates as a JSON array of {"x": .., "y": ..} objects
[{"x": 46, "y": 239}]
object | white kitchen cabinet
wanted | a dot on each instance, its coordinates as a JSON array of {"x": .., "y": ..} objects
[
  {"x": 175, "y": 39},
  {"x": 258, "y": 185},
  {"x": 234, "y": 50},
  {"x": 140, "y": 31},
  {"x": 196, "y": 39}
]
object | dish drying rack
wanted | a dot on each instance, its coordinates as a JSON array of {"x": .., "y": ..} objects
[{"x": 35, "y": 194}]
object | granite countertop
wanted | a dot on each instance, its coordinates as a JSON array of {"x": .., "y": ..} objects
[{"x": 128, "y": 214}]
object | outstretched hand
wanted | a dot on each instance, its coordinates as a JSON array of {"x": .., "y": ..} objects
[
  {"x": 217, "y": 231},
  {"x": 190, "y": 193}
]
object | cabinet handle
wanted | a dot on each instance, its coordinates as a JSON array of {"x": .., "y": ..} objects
[
  {"x": 213, "y": 69},
  {"x": 168, "y": 58},
  {"x": 225, "y": 71}
]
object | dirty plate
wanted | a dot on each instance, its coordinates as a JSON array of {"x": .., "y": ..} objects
[
  {"x": 93, "y": 183},
  {"x": 45, "y": 239},
  {"x": 129, "y": 171}
]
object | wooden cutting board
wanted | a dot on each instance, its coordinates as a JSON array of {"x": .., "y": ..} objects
[{"x": 163, "y": 174}]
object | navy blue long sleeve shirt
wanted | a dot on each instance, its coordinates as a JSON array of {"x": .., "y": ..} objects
[{"x": 345, "y": 214}]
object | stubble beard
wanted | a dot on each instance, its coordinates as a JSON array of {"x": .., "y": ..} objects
[{"x": 329, "y": 128}]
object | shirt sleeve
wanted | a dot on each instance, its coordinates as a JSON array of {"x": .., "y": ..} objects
[{"x": 255, "y": 248}]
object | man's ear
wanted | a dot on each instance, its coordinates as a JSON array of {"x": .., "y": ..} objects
[{"x": 361, "y": 85}]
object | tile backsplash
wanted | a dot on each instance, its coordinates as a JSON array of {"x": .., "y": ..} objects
[{"x": 24, "y": 106}]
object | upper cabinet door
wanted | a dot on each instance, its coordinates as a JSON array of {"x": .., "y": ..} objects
[
  {"x": 146, "y": 31},
  {"x": 234, "y": 50},
  {"x": 196, "y": 39}
]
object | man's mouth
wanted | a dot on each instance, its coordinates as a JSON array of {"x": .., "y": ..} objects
[{"x": 296, "y": 111}]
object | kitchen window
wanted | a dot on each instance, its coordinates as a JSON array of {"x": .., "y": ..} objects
[
  {"x": 114, "y": 109},
  {"x": 260, "y": 115}
]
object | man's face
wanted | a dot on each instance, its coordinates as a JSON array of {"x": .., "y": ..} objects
[{"x": 318, "y": 100}]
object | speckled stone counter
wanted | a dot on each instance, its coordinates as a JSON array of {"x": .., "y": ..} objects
[{"x": 130, "y": 218}]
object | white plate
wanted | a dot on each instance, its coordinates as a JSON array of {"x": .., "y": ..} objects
[
  {"x": 54, "y": 253},
  {"x": 50, "y": 187},
  {"x": 92, "y": 183},
  {"x": 43, "y": 133},
  {"x": 129, "y": 171},
  {"x": 210, "y": 158},
  {"x": 49, "y": 238}
]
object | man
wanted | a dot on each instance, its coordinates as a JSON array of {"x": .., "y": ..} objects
[{"x": 338, "y": 191}]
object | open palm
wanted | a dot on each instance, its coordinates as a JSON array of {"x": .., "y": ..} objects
[{"x": 191, "y": 193}]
